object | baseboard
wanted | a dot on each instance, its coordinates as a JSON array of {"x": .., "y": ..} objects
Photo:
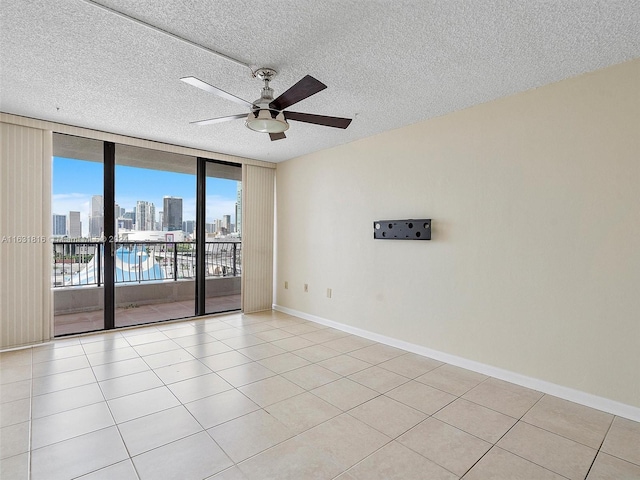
[{"x": 577, "y": 396}]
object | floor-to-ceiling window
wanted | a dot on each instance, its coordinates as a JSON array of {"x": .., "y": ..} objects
[
  {"x": 155, "y": 195},
  {"x": 77, "y": 234},
  {"x": 223, "y": 236},
  {"x": 135, "y": 258}
]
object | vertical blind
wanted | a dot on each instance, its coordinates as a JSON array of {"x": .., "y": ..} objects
[
  {"x": 25, "y": 227},
  {"x": 258, "y": 185}
]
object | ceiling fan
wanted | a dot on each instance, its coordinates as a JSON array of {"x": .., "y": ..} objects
[{"x": 267, "y": 115}]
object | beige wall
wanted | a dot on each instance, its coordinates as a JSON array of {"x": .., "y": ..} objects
[{"x": 534, "y": 266}]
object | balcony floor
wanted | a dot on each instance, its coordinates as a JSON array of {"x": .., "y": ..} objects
[{"x": 89, "y": 321}]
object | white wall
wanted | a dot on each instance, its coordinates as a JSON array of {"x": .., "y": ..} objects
[{"x": 534, "y": 266}]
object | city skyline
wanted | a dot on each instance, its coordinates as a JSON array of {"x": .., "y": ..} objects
[{"x": 75, "y": 183}]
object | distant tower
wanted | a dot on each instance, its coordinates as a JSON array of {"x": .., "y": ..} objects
[
  {"x": 59, "y": 225},
  {"x": 119, "y": 212},
  {"x": 74, "y": 229},
  {"x": 188, "y": 226},
  {"x": 172, "y": 214},
  {"x": 96, "y": 221},
  {"x": 145, "y": 215}
]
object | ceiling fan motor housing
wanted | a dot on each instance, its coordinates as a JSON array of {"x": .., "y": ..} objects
[
  {"x": 266, "y": 97},
  {"x": 262, "y": 118}
]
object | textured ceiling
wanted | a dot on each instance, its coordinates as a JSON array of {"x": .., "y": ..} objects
[{"x": 386, "y": 63}]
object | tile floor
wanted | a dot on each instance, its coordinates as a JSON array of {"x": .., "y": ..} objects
[{"x": 270, "y": 396}]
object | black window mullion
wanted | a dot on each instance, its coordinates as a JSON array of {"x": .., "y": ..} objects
[
  {"x": 201, "y": 233},
  {"x": 109, "y": 234}
]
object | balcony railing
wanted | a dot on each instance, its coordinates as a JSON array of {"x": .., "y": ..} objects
[{"x": 82, "y": 263}]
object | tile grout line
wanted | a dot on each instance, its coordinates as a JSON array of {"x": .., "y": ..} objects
[
  {"x": 599, "y": 449},
  {"x": 115, "y": 423},
  {"x": 495, "y": 444},
  {"x": 521, "y": 419},
  {"x": 418, "y": 453}
]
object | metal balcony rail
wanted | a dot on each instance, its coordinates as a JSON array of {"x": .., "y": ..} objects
[{"x": 82, "y": 263}]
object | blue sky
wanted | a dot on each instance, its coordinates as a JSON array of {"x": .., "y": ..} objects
[{"x": 75, "y": 182}]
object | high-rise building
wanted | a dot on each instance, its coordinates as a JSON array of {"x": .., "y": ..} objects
[
  {"x": 97, "y": 205},
  {"x": 59, "y": 225},
  {"x": 119, "y": 212},
  {"x": 236, "y": 211},
  {"x": 172, "y": 218},
  {"x": 124, "y": 224},
  {"x": 74, "y": 229},
  {"x": 226, "y": 224},
  {"x": 239, "y": 208},
  {"x": 96, "y": 226},
  {"x": 145, "y": 215},
  {"x": 96, "y": 220},
  {"x": 189, "y": 226}
]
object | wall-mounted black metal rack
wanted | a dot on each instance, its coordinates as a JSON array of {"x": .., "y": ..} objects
[{"x": 419, "y": 229}]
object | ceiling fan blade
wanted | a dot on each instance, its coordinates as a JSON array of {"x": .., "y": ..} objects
[
  {"x": 303, "y": 89},
  {"x": 215, "y": 90},
  {"x": 220, "y": 119},
  {"x": 277, "y": 136},
  {"x": 336, "y": 122}
]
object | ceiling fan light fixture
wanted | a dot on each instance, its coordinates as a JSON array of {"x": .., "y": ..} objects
[{"x": 265, "y": 123}]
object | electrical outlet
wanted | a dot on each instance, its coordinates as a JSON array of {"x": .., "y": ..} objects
[
  {"x": 328, "y": 293},
  {"x": 306, "y": 288},
  {"x": 286, "y": 285}
]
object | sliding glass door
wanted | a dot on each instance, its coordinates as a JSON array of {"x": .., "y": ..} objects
[
  {"x": 141, "y": 235},
  {"x": 153, "y": 253},
  {"x": 223, "y": 237},
  {"x": 77, "y": 280}
]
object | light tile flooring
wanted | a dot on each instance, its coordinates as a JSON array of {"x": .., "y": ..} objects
[{"x": 270, "y": 396}]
